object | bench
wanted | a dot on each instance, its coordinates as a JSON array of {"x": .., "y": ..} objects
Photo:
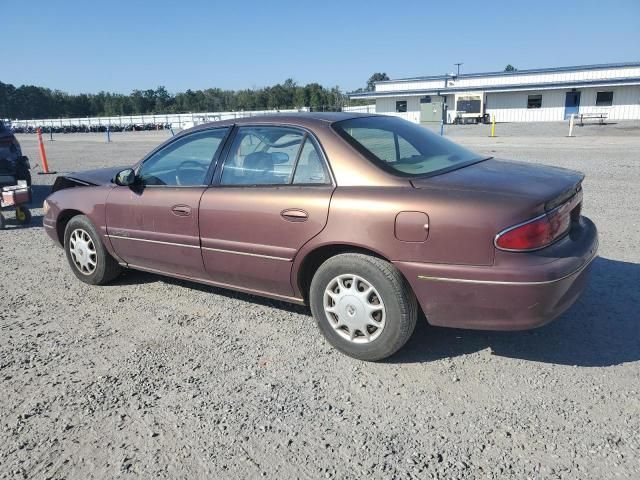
[{"x": 601, "y": 117}]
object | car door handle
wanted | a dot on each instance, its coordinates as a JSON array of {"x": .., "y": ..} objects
[
  {"x": 294, "y": 215},
  {"x": 181, "y": 210}
]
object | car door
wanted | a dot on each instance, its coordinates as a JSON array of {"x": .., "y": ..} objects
[
  {"x": 153, "y": 225},
  {"x": 269, "y": 198}
]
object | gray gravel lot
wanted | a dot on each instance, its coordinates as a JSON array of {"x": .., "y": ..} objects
[{"x": 156, "y": 378}]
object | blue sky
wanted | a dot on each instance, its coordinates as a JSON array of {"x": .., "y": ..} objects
[{"x": 118, "y": 45}]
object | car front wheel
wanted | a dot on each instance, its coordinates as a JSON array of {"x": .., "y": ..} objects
[
  {"x": 363, "y": 306},
  {"x": 87, "y": 256}
]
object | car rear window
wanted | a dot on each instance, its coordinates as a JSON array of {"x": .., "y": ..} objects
[{"x": 402, "y": 147}]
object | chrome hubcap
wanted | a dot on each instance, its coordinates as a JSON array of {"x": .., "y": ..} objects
[
  {"x": 354, "y": 308},
  {"x": 83, "y": 251}
]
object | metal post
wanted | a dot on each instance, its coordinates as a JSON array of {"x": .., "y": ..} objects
[
  {"x": 43, "y": 155},
  {"x": 571, "y": 126},
  {"x": 493, "y": 127},
  {"x": 441, "y": 128},
  {"x": 108, "y": 133}
]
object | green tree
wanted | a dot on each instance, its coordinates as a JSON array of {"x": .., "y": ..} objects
[
  {"x": 376, "y": 77},
  {"x": 162, "y": 100},
  {"x": 510, "y": 68},
  {"x": 30, "y": 101}
]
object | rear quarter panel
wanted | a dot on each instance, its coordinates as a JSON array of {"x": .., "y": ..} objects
[{"x": 462, "y": 224}]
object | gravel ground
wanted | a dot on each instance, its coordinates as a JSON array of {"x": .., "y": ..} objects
[{"x": 156, "y": 378}]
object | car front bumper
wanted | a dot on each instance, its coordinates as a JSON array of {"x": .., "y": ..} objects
[
  {"x": 520, "y": 291},
  {"x": 50, "y": 229}
]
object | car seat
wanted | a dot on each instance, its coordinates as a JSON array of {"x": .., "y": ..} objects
[{"x": 258, "y": 169}]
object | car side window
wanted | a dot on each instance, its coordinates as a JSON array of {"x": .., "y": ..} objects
[
  {"x": 311, "y": 169},
  {"x": 262, "y": 156},
  {"x": 184, "y": 162}
]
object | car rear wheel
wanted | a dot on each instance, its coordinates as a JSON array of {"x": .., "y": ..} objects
[
  {"x": 87, "y": 256},
  {"x": 363, "y": 306}
]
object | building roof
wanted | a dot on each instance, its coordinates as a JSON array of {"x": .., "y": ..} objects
[
  {"x": 599, "y": 66},
  {"x": 532, "y": 79},
  {"x": 498, "y": 88}
]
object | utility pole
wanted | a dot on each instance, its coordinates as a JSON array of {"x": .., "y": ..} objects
[{"x": 458, "y": 65}]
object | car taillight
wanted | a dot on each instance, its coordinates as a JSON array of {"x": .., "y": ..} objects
[{"x": 539, "y": 232}]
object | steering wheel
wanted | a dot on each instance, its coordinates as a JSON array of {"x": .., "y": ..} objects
[{"x": 189, "y": 164}]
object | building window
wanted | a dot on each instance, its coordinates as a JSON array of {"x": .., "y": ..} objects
[
  {"x": 604, "y": 99},
  {"x": 401, "y": 106},
  {"x": 534, "y": 101}
]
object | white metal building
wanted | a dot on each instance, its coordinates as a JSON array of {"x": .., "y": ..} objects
[{"x": 546, "y": 94}]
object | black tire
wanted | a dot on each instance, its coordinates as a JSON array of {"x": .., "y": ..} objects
[
  {"x": 106, "y": 267},
  {"x": 400, "y": 304},
  {"x": 23, "y": 215},
  {"x": 2, "y": 224}
]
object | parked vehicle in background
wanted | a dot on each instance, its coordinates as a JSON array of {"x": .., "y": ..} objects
[
  {"x": 93, "y": 128},
  {"x": 367, "y": 219},
  {"x": 13, "y": 165},
  {"x": 469, "y": 109}
]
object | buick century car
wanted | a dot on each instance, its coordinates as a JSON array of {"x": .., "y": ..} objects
[{"x": 367, "y": 219}]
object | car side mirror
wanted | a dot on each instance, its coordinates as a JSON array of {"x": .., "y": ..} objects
[{"x": 125, "y": 178}]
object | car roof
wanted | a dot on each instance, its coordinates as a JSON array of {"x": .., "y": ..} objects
[{"x": 303, "y": 119}]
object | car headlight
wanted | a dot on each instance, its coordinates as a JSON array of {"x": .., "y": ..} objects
[{"x": 45, "y": 207}]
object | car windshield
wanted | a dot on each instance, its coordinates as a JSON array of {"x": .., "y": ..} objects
[{"x": 402, "y": 147}]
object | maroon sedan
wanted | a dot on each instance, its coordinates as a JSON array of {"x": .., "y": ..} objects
[{"x": 367, "y": 219}]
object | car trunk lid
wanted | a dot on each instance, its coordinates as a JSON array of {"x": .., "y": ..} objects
[{"x": 546, "y": 187}]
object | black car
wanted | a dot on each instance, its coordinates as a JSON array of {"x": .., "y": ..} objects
[{"x": 13, "y": 165}]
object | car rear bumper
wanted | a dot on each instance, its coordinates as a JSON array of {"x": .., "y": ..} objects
[
  {"x": 7, "y": 172},
  {"x": 10, "y": 168},
  {"x": 7, "y": 180},
  {"x": 519, "y": 292}
]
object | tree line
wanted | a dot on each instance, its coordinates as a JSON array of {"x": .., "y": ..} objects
[{"x": 32, "y": 102}]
